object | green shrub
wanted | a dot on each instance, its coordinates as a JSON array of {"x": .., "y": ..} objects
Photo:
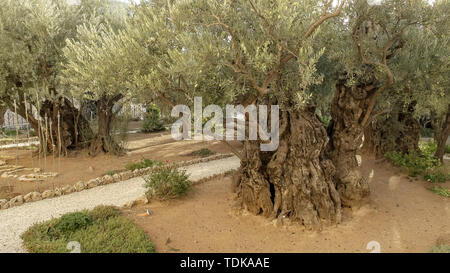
[
  {"x": 111, "y": 172},
  {"x": 421, "y": 162},
  {"x": 144, "y": 163},
  {"x": 441, "y": 249},
  {"x": 440, "y": 191},
  {"x": 73, "y": 221},
  {"x": 152, "y": 120},
  {"x": 167, "y": 182},
  {"x": 10, "y": 133},
  {"x": 203, "y": 152},
  {"x": 437, "y": 175},
  {"x": 447, "y": 149},
  {"x": 103, "y": 212},
  {"x": 108, "y": 232}
]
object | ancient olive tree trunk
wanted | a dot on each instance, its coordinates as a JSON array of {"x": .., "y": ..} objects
[
  {"x": 295, "y": 181},
  {"x": 71, "y": 132},
  {"x": 74, "y": 128},
  {"x": 345, "y": 132},
  {"x": 104, "y": 142},
  {"x": 399, "y": 132},
  {"x": 441, "y": 134}
]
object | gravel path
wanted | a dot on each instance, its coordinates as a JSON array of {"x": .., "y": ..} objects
[{"x": 14, "y": 221}]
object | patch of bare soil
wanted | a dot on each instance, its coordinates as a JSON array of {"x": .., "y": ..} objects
[
  {"x": 79, "y": 166},
  {"x": 403, "y": 216}
]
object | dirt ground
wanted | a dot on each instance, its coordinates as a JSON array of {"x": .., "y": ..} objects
[
  {"x": 403, "y": 216},
  {"x": 79, "y": 166}
]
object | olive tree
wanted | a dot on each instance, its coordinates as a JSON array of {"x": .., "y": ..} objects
[
  {"x": 262, "y": 53},
  {"x": 33, "y": 34}
]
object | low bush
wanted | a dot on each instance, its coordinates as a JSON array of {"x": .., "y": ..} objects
[
  {"x": 111, "y": 172},
  {"x": 10, "y": 133},
  {"x": 144, "y": 163},
  {"x": 106, "y": 232},
  {"x": 437, "y": 175},
  {"x": 73, "y": 221},
  {"x": 421, "y": 162},
  {"x": 203, "y": 152},
  {"x": 152, "y": 120},
  {"x": 103, "y": 212},
  {"x": 440, "y": 191},
  {"x": 167, "y": 182},
  {"x": 441, "y": 249}
]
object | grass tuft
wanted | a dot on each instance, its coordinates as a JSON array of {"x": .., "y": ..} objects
[
  {"x": 440, "y": 191},
  {"x": 441, "y": 249},
  {"x": 144, "y": 163},
  {"x": 101, "y": 230}
]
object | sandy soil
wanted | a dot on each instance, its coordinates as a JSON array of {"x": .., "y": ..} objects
[
  {"x": 402, "y": 216},
  {"x": 79, "y": 166},
  {"x": 14, "y": 221}
]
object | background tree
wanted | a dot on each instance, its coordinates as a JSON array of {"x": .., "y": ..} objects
[
  {"x": 420, "y": 88},
  {"x": 95, "y": 70},
  {"x": 31, "y": 54},
  {"x": 369, "y": 40}
]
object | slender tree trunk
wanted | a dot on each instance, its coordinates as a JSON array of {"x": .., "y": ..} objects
[
  {"x": 104, "y": 142},
  {"x": 345, "y": 132},
  {"x": 400, "y": 132},
  {"x": 2, "y": 115},
  {"x": 441, "y": 136},
  {"x": 296, "y": 180}
]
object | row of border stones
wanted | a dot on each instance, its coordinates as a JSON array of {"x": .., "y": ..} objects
[{"x": 99, "y": 181}]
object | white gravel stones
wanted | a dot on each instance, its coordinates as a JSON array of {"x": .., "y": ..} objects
[{"x": 15, "y": 220}]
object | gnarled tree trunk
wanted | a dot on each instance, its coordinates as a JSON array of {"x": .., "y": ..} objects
[
  {"x": 294, "y": 181},
  {"x": 400, "y": 132},
  {"x": 441, "y": 134},
  {"x": 345, "y": 131},
  {"x": 74, "y": 128},
  {"x": 2, "y": 115},
  {"x": 104, "y": 142},
  {"x": 71, "y": 132}
]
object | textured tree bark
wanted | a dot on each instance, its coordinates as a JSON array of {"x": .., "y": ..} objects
[
  {"x": 2, "y": 115},
  {"x": 67, "y": 126},
  {"x": 104, "y": 142},
  {"x": 400, "y": 132},
  {"x": 345, "y": 131},
  {"x": 441, "y": 137},
  {"x": 296, "y": 180},
  {"x": 72, "y": 132}
]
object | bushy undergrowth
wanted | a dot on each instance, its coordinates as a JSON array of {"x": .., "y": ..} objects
[
  {"x": 440, "y": 249},
  {"x": 144, "y": 163},
  {"x": 166, "y": 183},
  {"x": 440, "y": 191},
  {"x": 152, "y": 120},
  {"x": 421, "y": 162},
  {"x": 111, "y": 172},
  {"x": 203, "y": 152},
  {"x": 101, "y": 230},
  {"x": 9, "y": 133}
]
